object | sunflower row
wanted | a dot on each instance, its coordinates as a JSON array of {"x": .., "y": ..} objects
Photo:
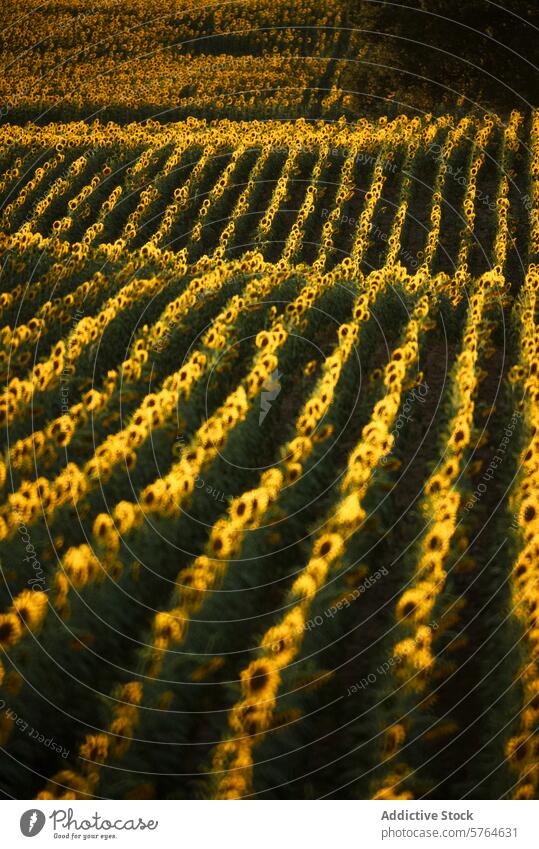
[
  {"x": 345, "y": 192},
  {"x": 413, "y": 655},
  {"x": 478, "y": 157},
  {"x": 117, "y": 448},
  {"x": 394, "y": 240},
  {"x": 510, "y": 146},
  {"x": 464, "y": 126},
  {"x": 250, "y": 718},
  {"x": 63, "y": 356},
  {"x": 522, "y": 747}
]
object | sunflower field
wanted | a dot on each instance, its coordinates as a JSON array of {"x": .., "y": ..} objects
[{"x": 269, "y": 507}]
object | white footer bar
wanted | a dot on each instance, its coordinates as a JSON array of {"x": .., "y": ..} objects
[{"x": 272, "y": 824}]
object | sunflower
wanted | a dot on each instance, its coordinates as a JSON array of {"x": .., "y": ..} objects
[
  {"x": 80, "y": 565},
  {"x": 31, "y": 607},
  {"x": 347, "y": 331},
  {"x": 364, "y": 455},
  {"x": 260, "y": 679},
  {"x": 120, "y": 736},
  {"x": 297, "y": 448},
  {"x": 435, "y": 485},
  {"x": 103, "y": 527},
  {"x": 328, "y": 547},
  {"x": 272, "y": 480},
  {"x": 131, "y": 692},
  {"x": 263, "y": 339},
  {"x": 459, "y": 437},
  {"x": 24, "y": 358},
  {"x": 422, "y": 661},
  {"x": 375, "y": 433},
  {"x": 437, "y": 540},
  {"x": 280, "y": 641},
  {"x": 529, "y": 512},
  {"x": 449, "y": 470},
  {"x": 231, "y": 787},
  {"x": 241, "y": 510},
  {"x": 194, "y": 457},
  {"x": 531, "y": 714},
  {"x": 260, "y": 500}
]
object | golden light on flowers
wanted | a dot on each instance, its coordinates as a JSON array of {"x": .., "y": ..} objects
[
  {"x": 67, "y": 785},
  {"x": 31, "y": 607},
  {"x": 10, "y": 629},
  {"x": 249, "y": 417}
]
